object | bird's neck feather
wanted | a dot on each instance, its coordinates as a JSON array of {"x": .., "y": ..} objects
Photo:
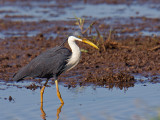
[
  {"x": 76, "y": 53},
  {"x": 75, "y": 49}
]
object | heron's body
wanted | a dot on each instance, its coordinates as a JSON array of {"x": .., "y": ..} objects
[{"x": 52, "y": 63}]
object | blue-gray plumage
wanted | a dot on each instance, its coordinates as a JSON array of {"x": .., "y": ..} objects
[{"x": 50, "y": 63}]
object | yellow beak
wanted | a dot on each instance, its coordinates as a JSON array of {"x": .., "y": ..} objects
[{"x": 90, "y": 43}]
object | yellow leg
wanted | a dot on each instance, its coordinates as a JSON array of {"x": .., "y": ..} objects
[
  {"x": 42, "y": 90},
  {"x": 43, "y": 115},
  {"x": 58, "y": 93}
]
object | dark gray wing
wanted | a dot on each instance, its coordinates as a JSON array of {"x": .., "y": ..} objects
[{"x": 46, "y": 65}]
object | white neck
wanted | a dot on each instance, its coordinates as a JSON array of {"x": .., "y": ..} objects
[
  {"x": 75, "y": 49},
  {"x": 76, "y": 53}
]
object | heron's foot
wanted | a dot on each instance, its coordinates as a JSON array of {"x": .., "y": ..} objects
[
  {"x": 60, "y": 98},
  {"x": 58, "y": 93}
]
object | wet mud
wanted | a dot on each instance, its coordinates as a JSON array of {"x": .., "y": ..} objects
[{"x": 128, "y": 47}]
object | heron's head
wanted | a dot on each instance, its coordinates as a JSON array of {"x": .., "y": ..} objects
[{"x": 73, "y": 39}]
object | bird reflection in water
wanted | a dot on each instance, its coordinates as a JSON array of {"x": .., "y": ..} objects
[{"x": 43, "y": 115}]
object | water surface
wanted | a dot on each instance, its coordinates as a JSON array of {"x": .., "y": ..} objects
[{"x": 88, "y": 102}]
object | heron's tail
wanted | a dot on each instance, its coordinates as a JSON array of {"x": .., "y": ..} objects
[{"x": 19, "y": 75}]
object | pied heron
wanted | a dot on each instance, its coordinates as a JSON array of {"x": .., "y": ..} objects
[{"x": 52, "y": 63}]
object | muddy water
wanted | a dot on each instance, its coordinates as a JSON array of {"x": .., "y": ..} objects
[{"x": 85, "y": 102}]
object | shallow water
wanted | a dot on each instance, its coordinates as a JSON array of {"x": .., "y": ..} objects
[
  {"x": 114, "y": 11},
  {"x": 89, "y": 102},
  {"x": 51, "y": 11}
]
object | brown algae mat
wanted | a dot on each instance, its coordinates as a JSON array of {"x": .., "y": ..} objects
[{"x": 114, "y": 65}]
